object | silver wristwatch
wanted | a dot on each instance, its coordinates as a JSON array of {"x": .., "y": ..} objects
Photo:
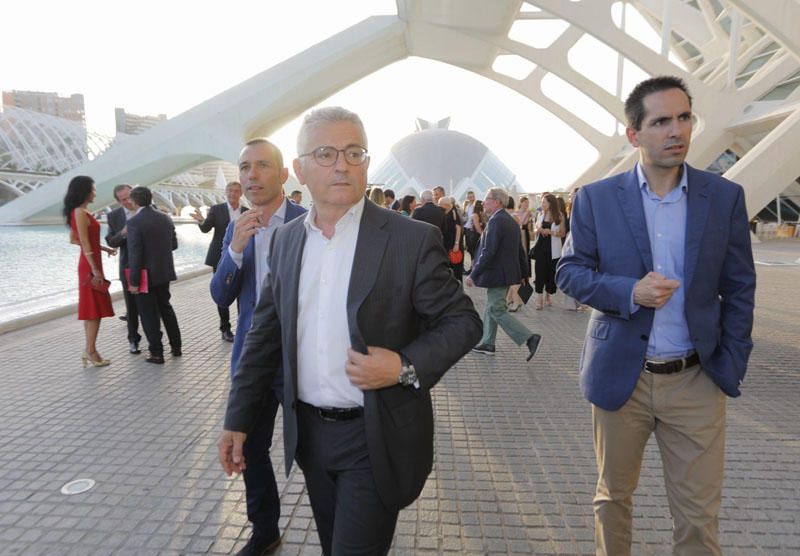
[{"x": 408, "y": 375}]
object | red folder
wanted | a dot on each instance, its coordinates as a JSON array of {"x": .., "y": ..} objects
[{"x": 142, "y": 280}]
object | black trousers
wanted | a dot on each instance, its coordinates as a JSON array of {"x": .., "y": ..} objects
[
  {"x": 224, "y": 313},
  {"x": 545, "y": 276},
  {"x": 471, "y": 238},
  {"x": 155, "y": 307},
  {"x": 351, "y": 519},
  {"x": 263, "y": 502},
  {"x": 132, "y": 310}
]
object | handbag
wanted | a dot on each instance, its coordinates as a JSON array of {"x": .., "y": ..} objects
[
  {"x": 456, "y": 256},
  {"x": 101, "y": 287},
  {"x": 525, "y": 291}
]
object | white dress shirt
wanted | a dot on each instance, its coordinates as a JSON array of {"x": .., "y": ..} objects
[
  {"x": 233, "y": 213},
  {"x": 323, "y": 333},
  {"x": 261, "y": 247}
]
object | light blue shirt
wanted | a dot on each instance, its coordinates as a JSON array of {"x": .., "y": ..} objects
[{"x": 666, "y": 226}]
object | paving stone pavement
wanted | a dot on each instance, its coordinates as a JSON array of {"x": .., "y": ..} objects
[{"x": 514, "y": 470}]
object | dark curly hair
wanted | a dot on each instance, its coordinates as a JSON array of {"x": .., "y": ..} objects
[{"x": 79, "y": 189}]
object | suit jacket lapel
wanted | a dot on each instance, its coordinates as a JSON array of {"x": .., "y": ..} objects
[
  {"x": 697, "y": 207},
  {"x": 291, "y": 281},
  {"x": 630, "y": 198},
  {"x": 370, "y": 247}
]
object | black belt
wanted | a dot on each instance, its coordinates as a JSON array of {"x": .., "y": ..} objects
[
  {"x": 335, "y": 413},
  {"x": 674, "y": 366}
]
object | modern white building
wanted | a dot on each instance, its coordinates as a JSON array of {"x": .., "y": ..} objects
[{"x": 435, "y": 155}]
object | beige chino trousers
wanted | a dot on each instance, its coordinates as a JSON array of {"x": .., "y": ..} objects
[{"x": 686, "y": 410}]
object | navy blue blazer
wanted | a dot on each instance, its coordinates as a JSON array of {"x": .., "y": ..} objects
[
  {"x": 500, "y": 260},
  {"x": 231, "y": 282},
  {"x": 609, "y": 251}
]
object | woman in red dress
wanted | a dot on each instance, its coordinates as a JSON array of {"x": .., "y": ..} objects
[{"x": 94, "y": 301}]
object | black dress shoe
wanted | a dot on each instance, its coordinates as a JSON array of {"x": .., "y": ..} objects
[
  {"x": 259, "y": 546},
  {"x": 176, "y": 352},
  {"x": 484, "y": 348},
  {"x": 123, "y": 317},
  {"x": 533, "y": 344},
  {"x": 134, "y": 348},
  {"x": 157, "y": 359},
  {"x": 227, "y": 335}
]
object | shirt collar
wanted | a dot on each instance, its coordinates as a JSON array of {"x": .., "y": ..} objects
[
  {"x": 643, "y": 185},
  {"x": 353, "y": 214},
  {"x": 230, "y": 207}
]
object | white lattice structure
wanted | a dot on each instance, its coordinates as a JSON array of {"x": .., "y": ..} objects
[
  {"x": 741, "y": 59},
  {"x": 36, "y": 148}
]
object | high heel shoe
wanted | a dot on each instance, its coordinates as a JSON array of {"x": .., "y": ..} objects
[{"x": 87, "y": 360}]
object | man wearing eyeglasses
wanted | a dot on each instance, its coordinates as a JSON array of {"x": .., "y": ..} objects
[{"x": 358, "y": 366}]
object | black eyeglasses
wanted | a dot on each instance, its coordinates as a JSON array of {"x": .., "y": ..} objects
[{"x": 354, "y": 155}]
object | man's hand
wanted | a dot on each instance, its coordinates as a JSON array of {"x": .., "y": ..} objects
[
  {"x": 198, "y": 216},
  {"x": 378, "y": 369},
  {"x": 246, "y": 227},
  {"x": 654, "y": 290},
  {"x": 229, "y": 446},
  {"x": 468, "y": 281}
]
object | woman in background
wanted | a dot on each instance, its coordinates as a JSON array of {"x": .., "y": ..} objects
[
  {"x": 549, "y": 229},
  {"x": 407, "y": 205},
  {"x": 94, "y": 301},
  {"x": 376, "y": 196},
  {"x": 452, "y": 236}
]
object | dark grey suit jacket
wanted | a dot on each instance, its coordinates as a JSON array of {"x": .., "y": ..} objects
[
  {"x": 430, "y": 213},
  {"x": 401, "y": 296},
  {"x": 151, "y": 241},
  {"x": 218, "y": 220},
  {"x": 116, "y": 222}
]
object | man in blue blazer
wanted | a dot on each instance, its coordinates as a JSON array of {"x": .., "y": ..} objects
[
  {"x": 240, "y": 274},
  {"x": 500, "y": 262},
  {"x": 662, "y": 254}
]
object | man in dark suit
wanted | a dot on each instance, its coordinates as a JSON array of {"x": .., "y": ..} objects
[
  {"x": 217, "y": 219},
  {"x": 429, "y": 212},
  {"x": 357, "y": 365},
  {"x": 662, "y": 253},
  {"x": 117, "y": 237},
  {"x": 390, "y": 202},
  {"x": 151, "y": 241},
  {"x": 240, "y": 276},
  {"x": 500, "y": 262}
]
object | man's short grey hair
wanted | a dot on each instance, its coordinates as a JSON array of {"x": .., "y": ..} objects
[
  {"x": 328, "y": 114},
  {"x": 426, "y": 196},
  {"x": 498, "y": 194}
]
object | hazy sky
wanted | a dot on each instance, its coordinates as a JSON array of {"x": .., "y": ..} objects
[{"x": 167, "y": 56}]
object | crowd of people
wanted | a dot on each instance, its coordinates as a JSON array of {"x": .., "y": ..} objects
[{"x": 320, "y": 332}]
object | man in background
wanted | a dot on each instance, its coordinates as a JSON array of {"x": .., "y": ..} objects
[
  {"x": 217, "y": 219},
  {"x": 500, "y": 262},
  {"x": 151, "y": 241},
  {"x": 117, "y": 237},
  {"x": 428, "y": 211},
  {"x": 296, "y": 197}
]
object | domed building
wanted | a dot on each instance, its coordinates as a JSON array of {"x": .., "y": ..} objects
[{"x": 435, "y": 155}]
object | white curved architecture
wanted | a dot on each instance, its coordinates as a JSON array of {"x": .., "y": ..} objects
[
  {"x": 453, "y": 160},
  {"x": 740, "y": 58}
]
